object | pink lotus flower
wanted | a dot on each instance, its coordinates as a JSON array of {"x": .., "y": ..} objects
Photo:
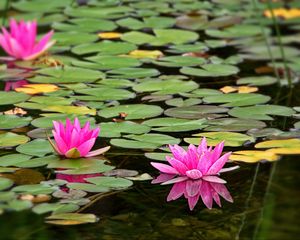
[
  {"x": 72, "y": 141},
  {"x": 193, "y": 190},
  {"x": 21, "y": 42},
  {"x": 12, "y": 85},
  {"x": 196, "y": 163}
]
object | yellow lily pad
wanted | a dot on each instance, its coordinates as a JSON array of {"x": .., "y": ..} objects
[
  {"x": 37, "y": 88},
  {"x": 110, "y": 35},
  {"x": 282, "y": 143},
  {"x": 146, "y": 54},
  {"x": 253, "y": 156}
]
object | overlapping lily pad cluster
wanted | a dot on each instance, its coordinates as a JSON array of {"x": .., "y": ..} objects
[{"x": 152, "y": 73}]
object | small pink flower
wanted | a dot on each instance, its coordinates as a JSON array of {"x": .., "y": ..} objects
[
  {"x": 196, "y": 163},
  {"x": 12, "y": 85},
  {"x": 193, "y": 190},
  {"x": 21, "y": 42},
  {"x": 72, "y": 141}
]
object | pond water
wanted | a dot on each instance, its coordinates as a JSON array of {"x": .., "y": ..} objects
[{"x": 152, "y": 73}]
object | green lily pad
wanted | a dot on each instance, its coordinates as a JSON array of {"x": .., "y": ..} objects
[
  {"x": 37, "y": 147},
  {"x": 13, "y": 159},
  {"x": 40, "y": 5},
  {"x": 34, "y": 189},
  {"x": 115, "y": 129},
  {"x": 85, "y": 25},
  {"x": 105, "y": 93},
  {"x": 257, "y": 81},
  {"x": 112, "y": 183},
  {"x": 165, "y": 86},
  {"x": 73, "y": 38},
  {"x": 213, "y": 138},
  {"x": 13, "y": 121},
  {"x": 133, "y": 73},
  {"x": 11, "y": 139},
  {"x": 234, "y": 124},
  {"x": 210, "y": 70},
  {"x": 7, "y": 98},
  {"x": 5, "y": 183},
  {"x": 261, "y": 112},
  {"x": 237, "y": 99},
  {"x": 151, "y": 22},
  {"x": 66, "y": 75},
  {"x": 104, "y": 48},
  {"x": 133, "y": 111},
  {"x": 87, "y": 187},
  {"x": 196, "y": 112},
  {"x": 56, "y": 208},
  {"x": 175, "y": 124},
  {"x": 179, "y": 61},
  {"x": 162, "y": 37},
  {"x": 47, "y": 120}
]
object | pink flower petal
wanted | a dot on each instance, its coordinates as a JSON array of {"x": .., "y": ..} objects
[
  {"x": 217, "y": 166},
  {"x": 163, "y": 177},
  {"x": 164, "y": 168},
  {"x": 194, "y": 174},
  {"x": 85, "y": 147},
  {"x": 222, "y": 191},
  {"x": 98, "y": 152},
  {"x": 206, "y": 194},
  {"x": 177, "y": 191},
  {"x": 214, "y": 179},
  {"x": 192, "y": 201},
  {"x": 178, "y": 165},
  {"x": 193, "y": 187}
]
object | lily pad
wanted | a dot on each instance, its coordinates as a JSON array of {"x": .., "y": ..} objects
[
  {"x": 165, "y": 86},
  {"x": 211, "y": 70},
  {"x": 196, "y": 112},
  {"x": 133, "y": 111},
  {"x": 261, "y": 112},
  {"x": 37, "y": 147},
  {"x": 234, "y": 124},
  {"x": 230, "y": 138},
  {"x": 13, "y": 121},
  {"x": 237, "y": 99},
  {"x": 7, "y": 98},
  {"x": 11, "y": 139}
]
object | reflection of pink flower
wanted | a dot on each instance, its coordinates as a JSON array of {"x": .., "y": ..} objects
[
  {"x": 12, "y": 85},
  {"x": 21, "y": 42},
  {"x": 76, "y": 178},
  {"x": 192, "y": 190},
  {"x": 196, "y": 163},
  {"x": 73, "y": 141}
]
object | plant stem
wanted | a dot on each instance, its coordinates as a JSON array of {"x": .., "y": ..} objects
[
  {"x": 5, "y": 12},
  {"x": 248, "y": 202},
  {"x": 267, "y": 43},
  {"x": 278, "y": 34}
]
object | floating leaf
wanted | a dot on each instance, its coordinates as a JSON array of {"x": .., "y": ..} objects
[
  {"x": 37, "y": 147},
  {"x": 5, "y": 183},
  {"x": 13, "y": 121},
  {"x": 234, "y": 124},
  {"x": 11, "y": 139},
  {"x": 71, "y": 218},
  {"x": 37, "y": 88},
  {"x": 257, "y": 81},
  {"x": 110, "y": 182},
  {"x": 146, "y": 54},
  {"x": 133, "y": 111},
  {"x": 231, "y": 139},
  {"x": 7, "y": 98},
  {"x": 261, "y": 112},
  {"x": 175, "y": 124},
  {"x": 110, "y": 35},
  {"x": 253, "y": 156},
  {"x": 237, "y": 100},
  {"x": 210, "y": 70},
  {"x": 196, "y": 112},
  {"x": 165, "y": 86}
]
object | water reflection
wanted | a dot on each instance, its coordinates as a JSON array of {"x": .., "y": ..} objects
[
  {"x": 12, "y": 85},
  {"x": 193, "y": 190}
]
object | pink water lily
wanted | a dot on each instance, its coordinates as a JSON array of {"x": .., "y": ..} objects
[
  {"x": 194, "y": 190},
  {"x": 72, "y": 141},
  {"x": 21, "y": 42},
  {"x": 196, "y": 163}
]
